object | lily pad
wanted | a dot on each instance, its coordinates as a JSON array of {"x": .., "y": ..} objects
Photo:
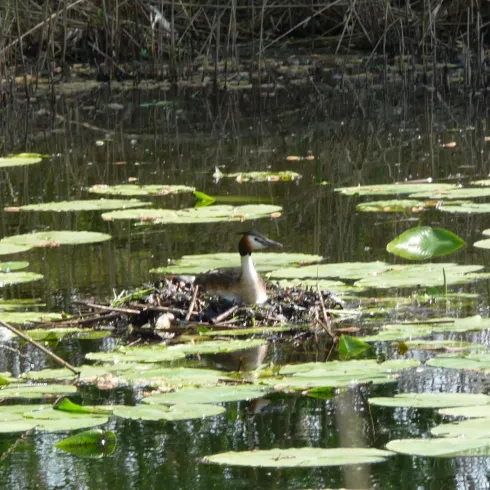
[
  {"x": 10, "y": 278},
  {"x": 281, "y": 176},
  {"x": 337, "y": 373},
  {"x": 29, "y": 391},
  {"x": 425, "y": 242},
  {"x": 94, "y": 443},
  {"x": 343, "y": 270},
  {"x": 477, "y": 428},
  {"x": 407, "y": 330},
  {"x": 12, "y": 266},
  {"x": 20, "y": 160},
  {"x": 351, "y": 346},
  {"x": 85, "y": 205},
  {"x": 478, "y": 411},
  {"x": 51, "y": 420},
  {"x": 168, "y": 379},
  {"x": 20, "y": 317},
  {"x": 465, "y": 207},
  {"x": 448, "y": 447},
  {"x": 444, "y": 345},
  {"x": 267, "y": 261},
  {"x": 157, "y": 353},
  {"x": 139, "y": 190},
  {"x": 306, "y": 457},
  {"x": 399, "y": 188},
  {"x": 431, "y": 400},
  {"x": 455, "y": 193},
  {"x": 425, "y": 275},
  {"x": 53, "y": 334},
  {"x": 472, "y": 361},
  {"x": 11, "y": 248},
  {"x": 209, "y": 214},
  {"x": 164, "y": 412},
  {"x": 56, "y": 238},
  {"x": 395, "y": 206},
  {"x": 215, "y": 394}
]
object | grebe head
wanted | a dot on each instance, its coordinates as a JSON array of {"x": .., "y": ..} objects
[{"x": 252, "y": 241}]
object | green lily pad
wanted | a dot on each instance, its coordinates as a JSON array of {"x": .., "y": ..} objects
[
  {"x": 85, "y": 205},
  {"x": 398, "y": 332},
  {"x": 66, "y": 405},
  {"x": 50, "y": 420},
  {"x": 455, "y": 193},
  {"x": 157, "y": 353},
  {"x": 443, "y": 345},
  {"x": 35, "y": 391},
  {"x": 323, "y": 284},
  {"x": 209, "y": 214},
  {"x": 215, "y": 394},
  {"x": 139, "y": 190},
  {"x": 12, "y": 266},
  {"x": 267, "y": 261},
  {"x": 447, "y": 447},
  {"x": 337, "y": 373},
  {"x": 20, "y": 160},
  {"x": 424, "y": 242},
  {"x": 11, "y": 248},
  {"x": 94, "y": 443},
  {"x": 465, "y": 207},
  {"x": 395, "y": 206},
  {"x": 423, "y": 275},
  {"x": 345, "y": 270},
  {"x": 478, "y": 411},
  {"x": 9, "y": 413},
  {"x": 388, "y": 189},
  {"x": 10, "y": 278},
  {"x": 60, "y": 333},
  {"x": 477, "y": 428},
  {"x": 423, "y": 328},
  {"x": 431, "y": 400},
  {"x": 168, "y": 379},
  {"x": 484, "y": 182},
  {"x": 472, "y": 361},
  {"x": 164, "y": 412},
  {"x": 162, "y": 353},
  {"x": 281, "y": 176},
  {"x": 20, "y": 317},
  {"x": 56, "y": 238},
  {"x": 305, "y": 457}
]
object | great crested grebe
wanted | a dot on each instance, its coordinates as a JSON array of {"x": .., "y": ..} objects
[{"x": 244, "y": 284}]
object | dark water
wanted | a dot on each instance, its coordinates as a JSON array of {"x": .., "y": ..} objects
[{"x": 355, "y": 138}]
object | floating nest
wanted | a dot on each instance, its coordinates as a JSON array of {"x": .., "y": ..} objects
[{"x": 175, "y": 306}]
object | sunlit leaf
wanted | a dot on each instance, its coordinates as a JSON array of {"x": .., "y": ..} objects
[
  {"x": 284, "y": 175},
  {"x": 458, "y": 193},
  {"x": 36, "y": 391},
  {"x": 388, "y": 189},
  {"x": 424, "y": 242},
  {"x": 350, "y": 347},
  {"x": 446, "y": 447},
  {"x": 164, "y": 412},
  {"x": 305, "y": 457},
  {"x": 20, "y": 159},
  {"x": 208, "y": 214},
  {"x": 139, "y": 190},
  {"x": 395, "y": 206},
  {"x": 476, "y": 428},
  {"x": 12, "y": 266},
  {"x": 56, "y": 238},
  {"x": 85, "y": 205},
  {"x": 215, "y": 394},
  {"x": 94, "y": 443},
  {"x": 431, "y": 400}
]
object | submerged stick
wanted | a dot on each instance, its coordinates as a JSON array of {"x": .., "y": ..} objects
[
  {"x": 193, "y": 302},
  {"x": 22, "y": 335},
  {"x": 224, "y": 315}
]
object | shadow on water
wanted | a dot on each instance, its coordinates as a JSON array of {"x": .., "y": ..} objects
[{"x": 103, "y": 136}]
